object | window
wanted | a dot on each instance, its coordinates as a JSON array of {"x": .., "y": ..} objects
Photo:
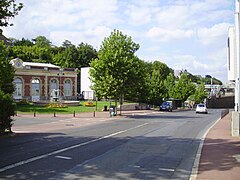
[
  {"x": 67, "y": 88},
  {"x": 53, "y": 85},
  {"x": 18, "y": 88},
  {"x": 35, "y": 87}
]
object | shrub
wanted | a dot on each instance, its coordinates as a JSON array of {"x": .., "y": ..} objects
[{"x": 7, "y": 109}]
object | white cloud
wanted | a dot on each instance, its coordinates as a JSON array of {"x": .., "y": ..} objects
[
  {"x": 214, "y": 34},
  {"x": 91, "y": 36},
  {"x": 186, "y": 34},
  {"x": 163, "y": 35},
  {"x": 138, "y": 15}
]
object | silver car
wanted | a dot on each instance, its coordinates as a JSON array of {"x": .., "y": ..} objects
[{"x": 201, "y": 108}]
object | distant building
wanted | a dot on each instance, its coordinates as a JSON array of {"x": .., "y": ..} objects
[
  {"x": 86, "y": 90},
  {"x": 39, "y": 81},
  {"x": 3, "y": 38}
]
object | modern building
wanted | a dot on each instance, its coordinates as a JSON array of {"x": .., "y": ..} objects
[
  {"x": 43, "y": 81},
  {"x": 86, "y": 90},
  {"x": 232, "y": 59}
]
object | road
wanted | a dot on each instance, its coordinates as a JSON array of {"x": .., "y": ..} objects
[{"x": 155, "y": 145}]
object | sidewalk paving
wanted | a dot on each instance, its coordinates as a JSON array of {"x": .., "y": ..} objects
[{"x": 220, "y": 157}]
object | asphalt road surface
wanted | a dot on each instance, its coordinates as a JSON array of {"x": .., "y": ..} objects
[{"x": 154, "y": 145}]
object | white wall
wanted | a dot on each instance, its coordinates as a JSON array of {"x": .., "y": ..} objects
[{"x": 86, "y": 84}]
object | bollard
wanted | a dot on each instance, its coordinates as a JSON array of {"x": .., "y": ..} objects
[
  {"x": 74, "y": 114},
  {"x": 93, "y": 113},
  {"x": 16, "y": 113},
  {"x": 54, "y": 114},
  {"x": 34, "y": 114}
]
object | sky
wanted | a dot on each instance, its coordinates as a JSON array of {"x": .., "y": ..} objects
[{"x": 184, "y": 34}]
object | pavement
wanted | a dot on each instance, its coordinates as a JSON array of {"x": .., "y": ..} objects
[{"x": 219, "y": 154}]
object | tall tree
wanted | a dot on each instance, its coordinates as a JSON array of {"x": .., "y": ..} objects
[
  {"x": 113, "y": 73},
  {"x": 42, "y": 41},
  {"x": 158, "y": 91},
  {"x": 86, "y": 53},
  {"x": 8, "y": 9},
  {"x": 200, "y": 94},
  {"x": 6, "y": 71},
  {"x": 169, "y": 85},
  {"x": 183, "y": 88},
  {"x": 22, "y": 42},
  {"x": 6, "y": 89}
]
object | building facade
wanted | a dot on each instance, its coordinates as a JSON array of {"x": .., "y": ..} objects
[
  {"x": 43, "y": 81},
  {"x": 232, "y": 59},
  {"x": 86, "y": 84}
]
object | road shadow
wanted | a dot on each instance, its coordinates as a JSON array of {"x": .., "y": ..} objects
[
  {"x": 120, "y": 157},
  {"x": 116, "y": 157}
]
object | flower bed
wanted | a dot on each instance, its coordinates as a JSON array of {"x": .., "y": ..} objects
[{"x": 89, "y": 104}]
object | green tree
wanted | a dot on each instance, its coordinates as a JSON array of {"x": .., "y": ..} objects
[
  {"x": 67, "y": 44},
  {"x": 22, "y": 42},
  {"x": 7, "y": 109},
  {"x": 114, "y": 72},
  {"x": 6, "y": 89},
  {"x": 158, "y": 91},
  {"x": 183, "y": 88},
  {"x": 200, "y": 93},
  {"x": 170, "y": 85},
  {"x": 8, "y": 9},
  {"x": 86, "y": 53},
  {"x": 42, "y": 41},
  {"x": 6, "y": 71}
]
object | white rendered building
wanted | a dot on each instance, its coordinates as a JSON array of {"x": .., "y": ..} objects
[
  {"x": 86, "y": 90},
  {"x": 232, "y": 59}
]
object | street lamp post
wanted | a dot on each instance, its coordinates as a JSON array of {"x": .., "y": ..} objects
[{"x": 60, "y": 74}]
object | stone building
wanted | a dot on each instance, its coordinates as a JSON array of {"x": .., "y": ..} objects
[{"x": 43, "y": 81}]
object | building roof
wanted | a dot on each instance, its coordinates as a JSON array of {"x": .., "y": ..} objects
[
  {"x": 17, "y": 62},
  {"x": 40, "y": 64}
]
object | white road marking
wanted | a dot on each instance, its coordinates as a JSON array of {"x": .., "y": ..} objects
[
  {"x": 166, "y": 169},
  {"x": 66, "y": 149},
  {"x": 63, "y": 157}
]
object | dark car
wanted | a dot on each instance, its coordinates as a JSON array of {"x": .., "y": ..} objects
[{"x": 166, "y": 106}]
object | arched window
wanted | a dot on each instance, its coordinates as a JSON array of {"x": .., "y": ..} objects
[
  {"x": 67, "y": 88},
  {"x": 18, "y": 88},
  {"x": 53, "y": 85},
  {"x": 35, "y": 87}
]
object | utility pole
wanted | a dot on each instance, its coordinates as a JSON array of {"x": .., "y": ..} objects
[
  {"x": 235, "y": 125},
  {"x": 237, "y": 36}
]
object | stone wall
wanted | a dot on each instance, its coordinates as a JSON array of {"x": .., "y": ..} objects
[{"x": 222, "y": 102}]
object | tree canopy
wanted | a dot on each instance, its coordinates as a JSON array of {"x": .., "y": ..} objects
[
  {"x": 6, "y": 89},
  {"x": 8, "y": 9},
  {"x": 115, "y": 71}
]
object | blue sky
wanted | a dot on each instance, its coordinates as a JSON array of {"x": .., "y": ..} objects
[{"x": 184, "y": 34}]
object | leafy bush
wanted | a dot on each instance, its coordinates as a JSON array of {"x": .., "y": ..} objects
[{"x": 7, "y": 109}]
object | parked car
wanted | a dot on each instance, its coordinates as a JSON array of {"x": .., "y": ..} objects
[
  {"x": 166, "y": 106},
  {"x": 201, "y": 108}
]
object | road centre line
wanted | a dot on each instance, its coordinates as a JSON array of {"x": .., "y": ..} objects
[{"x": 66, "y": 149}]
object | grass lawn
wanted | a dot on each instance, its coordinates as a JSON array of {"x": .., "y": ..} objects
[{"x": 30, "y": 108}]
